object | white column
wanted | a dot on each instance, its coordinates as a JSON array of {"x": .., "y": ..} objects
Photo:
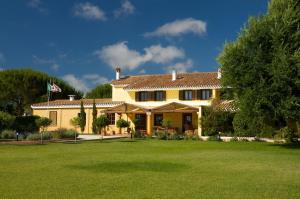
[{"x": 199, "y": 122}]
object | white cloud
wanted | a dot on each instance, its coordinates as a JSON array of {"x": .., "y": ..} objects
[
  {"x": 85, "y": 82},
  {"x": 180, "y": 27},
  {"x": 126, "y": 9},
  {"x": 159, "y": 54},
  {"x": 180, "y": 67},
  {"x": 1, "y": 69},
  {"x": 120, "y": 55},
  {"x": 36, "y": 4},
  {"x": 2, "y": 58},
  {"x": 55, "y": 66},
  {"x": 39, "y": 60},
  {"x": 77, "y": 83},
  {"x": 143, "y": 71},
  {"x": 89, "y": 11},
  {"x": 95, "y": 79},
  {"x": 50, "y": 62}
]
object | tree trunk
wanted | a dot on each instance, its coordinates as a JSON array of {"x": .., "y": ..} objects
[{"x": 292, "y": 124}]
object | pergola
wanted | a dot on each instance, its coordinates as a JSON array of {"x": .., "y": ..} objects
[
  {"x": 126, "y": 108},
  {"x": 173, "y": 107}
]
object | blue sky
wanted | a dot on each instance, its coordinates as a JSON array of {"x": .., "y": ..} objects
[{"x": 82, "y": 41}]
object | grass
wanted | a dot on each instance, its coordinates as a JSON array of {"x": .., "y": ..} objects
[{"x": 150, "y": 169}]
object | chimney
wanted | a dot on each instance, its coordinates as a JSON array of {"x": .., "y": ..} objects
[
  {"x": 118, "y": 73},
  {"x": 71, "y": 97},
  {"x": 174, "y": 75},
  {"x": 219, "y": 73}
]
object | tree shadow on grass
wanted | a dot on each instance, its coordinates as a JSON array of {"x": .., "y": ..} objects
[
  {"x": 128, "y": 141},
  {"x": 288, "y": 146},
  {"x": 123, "y": 167}
]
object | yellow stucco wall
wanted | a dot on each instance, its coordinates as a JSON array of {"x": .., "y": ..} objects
[
  {"x": 119, "y": 94},
  {"x": 64, "y": 115}
]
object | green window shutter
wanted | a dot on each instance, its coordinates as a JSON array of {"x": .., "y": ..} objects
[
  {"x": 151, "y": 96},
  {"x": 194, "y": 95},
  {"x": 198, "y": 94},
  {"x": 137, "y": 96},
  {"x": 164, "y": 95},
  {"x": 180, "y": 95}
]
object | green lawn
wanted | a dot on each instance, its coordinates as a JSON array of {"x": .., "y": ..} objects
[{"x": 150, "y": 169}]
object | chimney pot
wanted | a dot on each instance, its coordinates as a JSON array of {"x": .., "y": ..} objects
[
  {"x": 118, "y": 73},
  {"x": 71, "y": 97},
  {"x": 219, "y": 73},
  {"x": 174, "y": 75}
]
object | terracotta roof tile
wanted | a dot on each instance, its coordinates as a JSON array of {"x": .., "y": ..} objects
[
  {"x": 184, "y": 80},
  {"x": 227, "y": 105},
  {"x": 67, "y": 102}
]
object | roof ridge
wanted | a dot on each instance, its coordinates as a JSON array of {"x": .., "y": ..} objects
[{"x": 166, "y": 74}]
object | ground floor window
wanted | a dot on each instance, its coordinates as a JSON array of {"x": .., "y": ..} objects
[
  {"x": 111, "y": 118},
  {"x": 158, "y": 118},
  {"x": 53, "y": 117},
  {"x": 140, "y": 121}
]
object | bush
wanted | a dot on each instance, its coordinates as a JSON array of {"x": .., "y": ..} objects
[
  {"x": 37, "y": 136},
  {"x": 245, "y": 125},
  {"x": 214, "y": 121},
  {"x": 69, "y": 134},
  {"x": 121, "y": 123},
  {"x": 57, "y": 134},
  {"x": 62, "y": 133},
  {"x": 26, "y": 124},
  {"x": 43, "y": 123},
  {"x": 8, "y": 134},
  {"x": 287, "y": 134},
  {"x": 162, "y": 135},
  {"x": 6, "y": 121}
]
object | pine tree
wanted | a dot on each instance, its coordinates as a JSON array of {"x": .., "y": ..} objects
[{"x": 94, "y": 114}]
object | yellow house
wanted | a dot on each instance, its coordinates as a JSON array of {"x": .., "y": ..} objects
[{"x": 148, "y": 99}]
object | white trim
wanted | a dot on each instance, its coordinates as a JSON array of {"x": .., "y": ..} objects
[
  {"x": 173, "y": 88},
  {"x": 74, "y": 106}
]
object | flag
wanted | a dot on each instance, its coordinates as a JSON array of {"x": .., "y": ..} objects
[
  {"x": 49, "y": 87},
  {"x": 55, "y": 88}
]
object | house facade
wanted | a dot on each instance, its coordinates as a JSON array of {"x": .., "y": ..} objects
[{"x": 145, "y": 99}]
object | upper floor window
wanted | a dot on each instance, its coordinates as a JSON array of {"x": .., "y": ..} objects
[
  {"x": 187, "y": 95},
  {"x": 143, "y": 96},
  {"x": 205, "y": 94},
  {"x": 159, "y": 95},
  {"x": 111, "y": 118}
]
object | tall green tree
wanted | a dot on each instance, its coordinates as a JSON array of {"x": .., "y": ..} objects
[
  {"x": 82, "y": 117},
  {"x": 101, "y": 123},
  {"x": 263, "y": 68},
  {"x": 22, "y": 87},
  {"x": 94, "y": 114},
  {"x": 101, "y": 91}
]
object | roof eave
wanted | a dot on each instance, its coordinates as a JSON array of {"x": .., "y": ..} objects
[{"x": 173, "y": 88}]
